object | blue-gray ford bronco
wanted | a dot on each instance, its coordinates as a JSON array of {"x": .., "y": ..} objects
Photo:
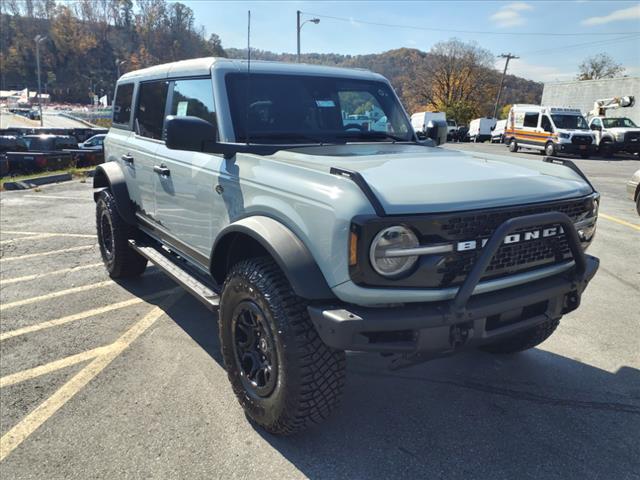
[{"x": 298, "y": 203}]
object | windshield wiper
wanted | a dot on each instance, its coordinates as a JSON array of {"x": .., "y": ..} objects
[
  {"x": 374, "y": 136},
  {"x": 289, "y": 136}
]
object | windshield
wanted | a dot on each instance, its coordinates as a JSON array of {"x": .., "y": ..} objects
[
  {"x": 622, "y": 122},
  {"x": 570, "y": 122},
  {"x": 311, "y": 109}
]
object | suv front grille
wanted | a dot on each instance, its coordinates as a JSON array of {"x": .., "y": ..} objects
[
  {"x": 581, "y": 139},
  {"x": 450, "y": 269},
  {"x": 511, "y": 258}
]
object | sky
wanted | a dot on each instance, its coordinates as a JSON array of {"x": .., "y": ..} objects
[{"x": 600, "y": 26}]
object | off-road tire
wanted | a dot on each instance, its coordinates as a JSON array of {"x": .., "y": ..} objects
[
  {"x": 513, "y": 145},
  {"x": 524, "y": 340},
  {"x": 310, "y": 375},
  {"x": 550, "y": 149},
  {"x": 119, "y": 259}
]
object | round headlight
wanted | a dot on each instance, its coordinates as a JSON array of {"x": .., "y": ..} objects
[{"x": 385, "y": 254}]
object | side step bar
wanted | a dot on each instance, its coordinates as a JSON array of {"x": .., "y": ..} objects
[{"x": 193, "y": 285}]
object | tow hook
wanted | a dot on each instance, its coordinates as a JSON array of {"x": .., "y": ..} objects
[{"x": 459, "y": 334}]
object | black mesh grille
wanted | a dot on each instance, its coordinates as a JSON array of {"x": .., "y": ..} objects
[
  {"x": 632, "y": 137},
  {"x": 511, "y": 258},
  {"x": 581, "y": 139}
]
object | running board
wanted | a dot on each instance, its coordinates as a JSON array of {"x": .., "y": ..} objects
[{"x": 193, "y": 285}]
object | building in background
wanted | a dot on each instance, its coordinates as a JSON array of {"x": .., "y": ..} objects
[{"x": 582, "y": 93}]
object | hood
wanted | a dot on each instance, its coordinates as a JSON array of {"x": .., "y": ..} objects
[
  {"x": 623, "y": 130},
  {"x": 411, "y": 179}
]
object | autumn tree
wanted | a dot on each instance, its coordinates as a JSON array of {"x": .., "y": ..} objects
[
  {"x": 599, "y": 66},
  {"x": 457, "y": 79}
]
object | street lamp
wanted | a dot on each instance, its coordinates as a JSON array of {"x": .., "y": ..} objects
[
  {"x": 118, "y": 64},
  {"x": 39, "y": 39},
  {"x": 300, "y": 25}
]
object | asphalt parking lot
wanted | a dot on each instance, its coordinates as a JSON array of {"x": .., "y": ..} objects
[{"x": 103, "y": 379}]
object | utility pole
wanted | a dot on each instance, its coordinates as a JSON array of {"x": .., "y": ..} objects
[
  {"x": 509, "y": 57},
  {"x": 39, "y": 39},
  {"x": 299, "y": 27}
]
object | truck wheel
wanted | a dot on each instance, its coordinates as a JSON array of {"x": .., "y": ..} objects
[
  {"x": 283, "y": 375},
  {"x": 524, "y": 340},
  {"x": 606, "y": 149},
  {"x": 638, "y": 204},
  {"x": 550, "y": 149},
  {"x": 113, "y": 237},
  {"x": 513, "y": 145},
  {"x": 584, "y": 155}
]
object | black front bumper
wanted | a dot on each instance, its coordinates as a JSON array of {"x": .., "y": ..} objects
[
  {"x": 434, "y": 329},
  {"x": 575, "y": 149}
]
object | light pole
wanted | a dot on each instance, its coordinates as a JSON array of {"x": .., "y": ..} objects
[
  {"x": 300, "y": 25},
  {"x": 118, "y": 64},
  {"x": 39, "y": 39},
  {"x": 508, "y": 56}
]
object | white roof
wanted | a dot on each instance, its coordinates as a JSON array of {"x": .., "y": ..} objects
[
  {"x": 203, "y": 66},
  {"x": 554, "y": 109}
]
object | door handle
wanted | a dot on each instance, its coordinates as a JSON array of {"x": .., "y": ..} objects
[
  {"x": 162, "y": 170},
  {"x": 127, "y": 158}
]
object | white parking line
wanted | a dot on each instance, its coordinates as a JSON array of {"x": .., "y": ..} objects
[
  {"x": 23, "y": 429},
  {"x": 38, "y": 276},
  {"x": 57, "y": 197},
  {"x": 25, "y": 375},
  {"x": 82, "y": 315},
  {"x": 57, "y": 294},
  {"x": 44, "y": 254},
  {"x": 53, "y": 234}
]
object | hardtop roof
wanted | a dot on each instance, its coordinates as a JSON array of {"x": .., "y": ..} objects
[{"x": 203, "y": 66}]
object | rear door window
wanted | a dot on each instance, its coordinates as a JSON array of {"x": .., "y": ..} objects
[
  {"x": 122, "y": 105},
  {"x": 193, "y": 97},
  {"x": 152, "y": 99}
]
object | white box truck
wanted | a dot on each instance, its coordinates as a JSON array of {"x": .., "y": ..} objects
[
  {"x": 480, "y": 129},
  {"x": 420, "y": 120}
]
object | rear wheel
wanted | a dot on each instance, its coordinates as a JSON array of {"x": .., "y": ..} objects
[
  {"x": 524, "y": 340},
  {"x": 513, "y": 145},
  {"x": 283, "y": 375},
  {"x": 113, "y": 237}
]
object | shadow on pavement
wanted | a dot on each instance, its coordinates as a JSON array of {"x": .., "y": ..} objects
[{"x": 475, "y": 415}]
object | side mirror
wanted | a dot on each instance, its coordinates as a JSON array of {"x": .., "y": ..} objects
[
  {"x": 421, "y": 135},
  {"x": 437, "y": 131},
  {"x": 190, "y": 133},
  {"x": 595, "y": 127}
]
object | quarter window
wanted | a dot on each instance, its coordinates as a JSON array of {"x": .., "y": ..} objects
[
  {"x": 530, "y": 120},
  {"x": 545, "y": 123},
  {"x": 152, "y": 98},
  {"x": 194, "y": 98},
  {"x": 122, "y": 104}
]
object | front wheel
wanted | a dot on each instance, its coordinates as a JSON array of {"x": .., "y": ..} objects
[
  {"x": 283, "y": 375},
  {"x": 606, "y": 149},
  {"x": 513, "y": 145},
  {"x": 550, "y": 149},
  {"x": 524, "y": 340}
]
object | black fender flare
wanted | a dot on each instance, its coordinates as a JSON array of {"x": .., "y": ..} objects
[
  {"x": 284, "y": 246},
  {"x": 109, "y": 176}
]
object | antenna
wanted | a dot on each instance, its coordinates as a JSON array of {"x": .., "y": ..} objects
[{"x": 246, "y": 127}]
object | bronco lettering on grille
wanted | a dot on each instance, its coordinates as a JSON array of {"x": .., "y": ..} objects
[{"x": 511, "y": 238}]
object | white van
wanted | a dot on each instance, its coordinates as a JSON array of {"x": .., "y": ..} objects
[
  {"x": 497, "y": 134},
  {"x": 480, "y": 129},
  {"x": 420, "y": 120},
  {"x": 552, "y": 130}
]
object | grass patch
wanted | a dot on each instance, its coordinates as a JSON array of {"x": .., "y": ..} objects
[{"x": 75, "y": 173}]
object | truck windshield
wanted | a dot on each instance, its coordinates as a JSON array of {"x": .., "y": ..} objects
[
  {"x": 310, "y": 109},
  {"x": 570, "y": 122},
  {"x": 622, "y": 122}
]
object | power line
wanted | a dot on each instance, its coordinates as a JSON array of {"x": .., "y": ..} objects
[
  {"x": 562, "y": 48},
  {"x": 474, "y": 32}
]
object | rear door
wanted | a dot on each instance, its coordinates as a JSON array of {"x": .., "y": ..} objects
[
  {"x": 187, "y": 205},
  {"x": 144, "y": 142}
]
